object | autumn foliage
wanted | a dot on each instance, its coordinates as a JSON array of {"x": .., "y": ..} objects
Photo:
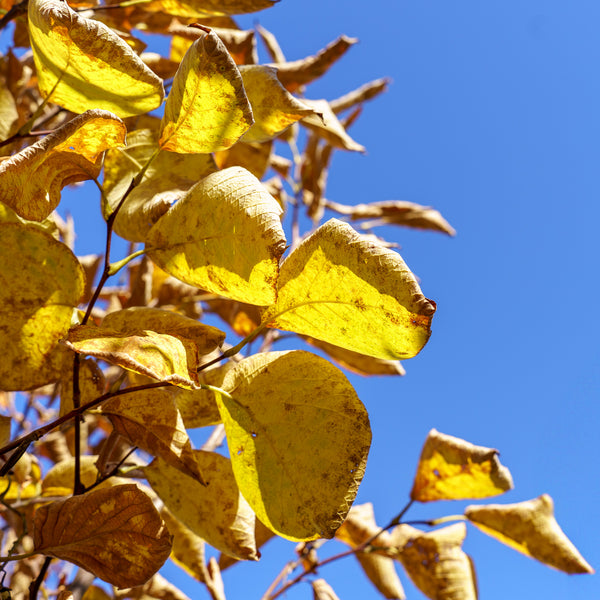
[{"x": 104, "y": 378}]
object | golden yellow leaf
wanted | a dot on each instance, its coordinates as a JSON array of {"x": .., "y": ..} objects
[
  {"x": 59, "y": 479},
  {"x": 5, "y": 424},
  {"x": 204, "y": 8},
  {"x": 224, "y": 236},
  {"x": 273, "y": 107},
  {"x": 216, "y": 512},
  {"x": 24, "y": 482},
  {"x": 95, "y": 592},
  {"x": 298, "y": 437},
  {"x": 71, "y": 153},
  {"x": 452, "y": 469},
  {"x": 9, "y": 114},
  {"x": 359, "y": 363},
  {"x": 338, "y": 287},
  {"x": 300, "y": 72},
  {"x": 165, "y": 181},
  {"x": 150, "y": 420},
  {"x": 38, "y": 294},
  {"x": 207, "y": 109},
  {"x": 115, "y": 533},
  {"x": 253, "y": 157},
  {"x": 153, "y": 342},
  {"x": 359, "y": 527},
  {"x": 82, "y": 64},
  {"x": 326, "y": 125},
  {"x": 188, "y": 548},
  {"x": 436, "y": 563},
  {"x": 91, "y": 383},
  {"x": 530, "y": 528},
  {"x": 395, "y": 212}
]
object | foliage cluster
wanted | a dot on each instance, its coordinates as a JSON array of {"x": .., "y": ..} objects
[{"x": 112, "y": 378}]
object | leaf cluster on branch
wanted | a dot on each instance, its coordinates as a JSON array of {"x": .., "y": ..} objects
[{"x": 102, "y": 382}]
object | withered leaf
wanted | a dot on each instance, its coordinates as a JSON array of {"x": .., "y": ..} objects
[{"x": 115, "y": 533}]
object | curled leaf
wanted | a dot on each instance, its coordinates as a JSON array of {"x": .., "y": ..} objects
[
  {"x": 298, "y": 437},
  {"x": 115, "y": 533},
  {"x": 207, "y": 109},
  {"x": 452, "y": 469},
  {"x": 338, "y": 287},
  {"x": 224, "y": 236},
  {"x": 530, "y": 528},
  {"x": 81, "y": 63},
  {"x": 71, "y": 153},
  {"x": 188, "y": 548}
]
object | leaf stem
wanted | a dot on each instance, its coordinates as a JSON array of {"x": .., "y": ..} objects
[{"x": 117, "y": 266}]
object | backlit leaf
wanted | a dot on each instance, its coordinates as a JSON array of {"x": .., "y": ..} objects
[
  {"x": 358, "y": 528},
  {"x": 204, "y": 8},
  {"x": 59, "y": 479},
  {"x": 207, "y": 109},
  {"x": 338, "y": 287},
  {"x": 530, "y": 528},
  {"x": 150, "y": 420},
  {"x": 298, "y": 437},
  {"x": 153, "y": 342},
  {"x": 253, "y": 157},
  {"x": 165, "y": 181},
  {"x": 273, "y": 107},
  {"x": 24, "y": 481},
  {"x": 42, "y": 282},
  {"x": 452, "y": 469},
  {"x": 224, "y": 236},
  {"x": 82, "y": 64},
  {"x": 69, "y": 154},
  {"x": 216, "y": 512},
  {"x": 115, "y": 533},
  {"x": 436, "y": 563}
]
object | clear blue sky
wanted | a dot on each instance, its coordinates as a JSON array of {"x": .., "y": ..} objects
[{"x": 492, "y": 118}]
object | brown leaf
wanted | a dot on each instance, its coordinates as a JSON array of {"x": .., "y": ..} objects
[
  {"x": 262, "y": 534},
  {"x": 253, "y": 157},
  {"x": 362, "y": 94},
  {"x": 530, "y": 528},
  {"x": 115, "y": 533},
  {"x": 436, "y": 563},
  {"x": 322, "y": 590},
  {"x": 150, "y": 420},
  {"x": 452, "y": 469},
  {"x": 300, "y": 72},
  {"x": 158, "y": 588}
]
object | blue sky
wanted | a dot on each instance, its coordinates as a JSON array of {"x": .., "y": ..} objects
[{"x": 492, "y": 118}]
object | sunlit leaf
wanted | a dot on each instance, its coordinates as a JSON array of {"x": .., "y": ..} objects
[
  {"x": 207, "y": 109},
  {"x": 204, "y": 8},
  {"x": 452, "y": 469},
  {"x": 362, "y": 94},
  {"x": 340, "y": 288},
  {"x": 530, "y": 527},
  {"x": 157, "y": 588},
  {"x": 150, "y": 420},
  {"x": 262, "y": 535},
  {"x": 9, "y": 113},
  {"x": 300, "y": 72},
  {"x": 322, "y": 590},
  {"x": 224, "y": 236},
  {"x": 115, "y": 533},
  {"x": 273, "y": 107},
  {"x": 298, "y": 437},
  {"x": 165, "y": 181},
  {"x": 252, "y": 157},
  {"x": 60, "y": 478},
  {"x": 82, "y": 64},
  {"x": 360, "y": 527},
  {"x": 153, "y": 342},
  {"x": 69, "y": 154},
  {"x": 435, "y": 561},
  {"x": 24, "y": 481},
  {"x": 216, "y": 512},
  {"x": 188, "y": 548},
  {"x": 42, "y": 282}
]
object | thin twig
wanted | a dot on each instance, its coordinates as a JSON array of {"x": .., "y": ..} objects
[{"x": 34, "y": 588}]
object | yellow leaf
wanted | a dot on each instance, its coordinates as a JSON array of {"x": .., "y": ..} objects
[
  {"x": 253, "y": 157},
  {"x": 83, "y": 64},
  {"x": 59, "y": 479},
  {"x": 216, "y": 512},
  {"x": 188, "y": 548},
  {"x": 359, "y": 363},
  {"x": 359, "y": 527},
  {"x": 338, "y": 287},
  {"x": 24, "y": 481},
  {"x": 91, "y": 383},
  {"x": 273, "y": 107},
  {"x": 207, "y": 109},
  {"x": 157, "y": 588},
  {"x": 9, "y": 114},
  {"x": 71, "y": 153},
  {"x": 38, "y": 293},
  {"x": 436, "y": 563},
  {"x": 150, "y": 420},
  {"x": 262, "y": 535},
  {"x": 165, "y": 181},
  {"x": 115, "y": 533},
  {"x": 95, "y": 592},
  {"x": 204, "y": 8},
  {"x": 224, "y": 236},
  {"x": 298, "y": 437},
  {"x": 530, "y": 528},
  {"x": 451, "y": 469},
  {"x": 153, "y": 342}
]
